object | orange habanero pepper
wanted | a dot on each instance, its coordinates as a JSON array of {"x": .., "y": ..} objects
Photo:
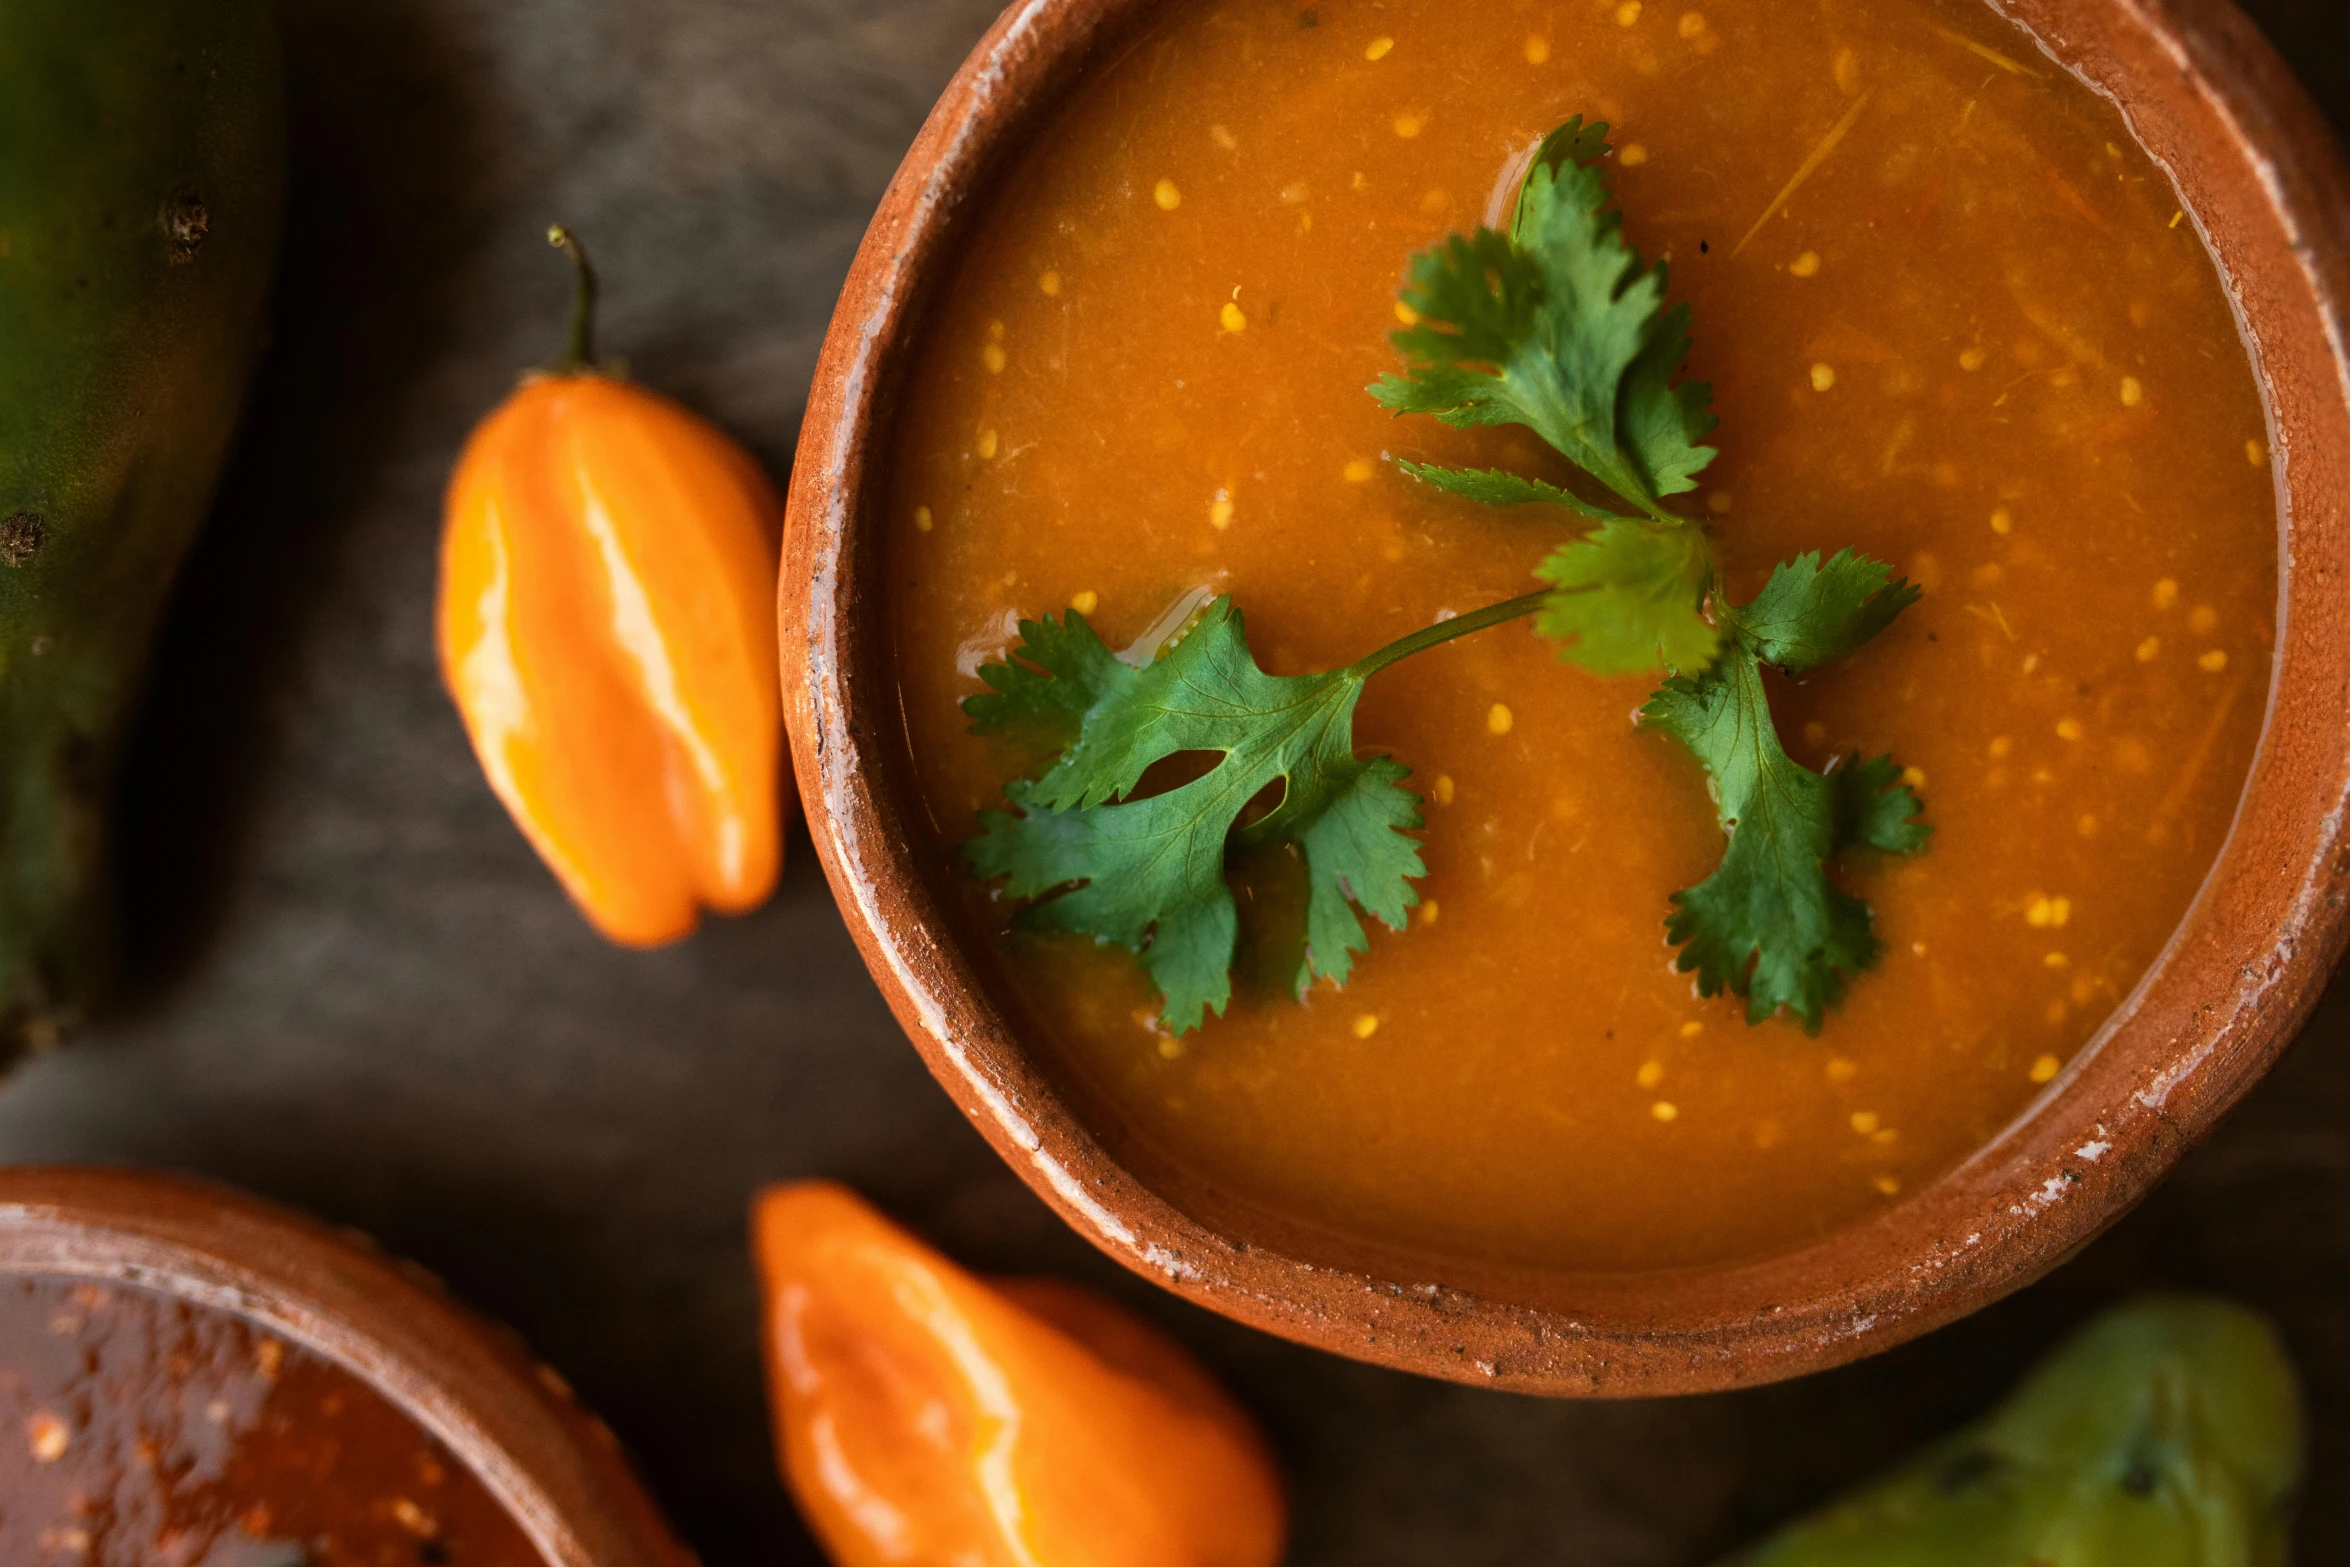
[
  {"x": 607, "y": 627},
  {"x": 928, "y": 1419}
]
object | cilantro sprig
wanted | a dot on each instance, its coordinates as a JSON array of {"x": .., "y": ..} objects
[
  {"x": 1560, "y": 326},
  {"x": 1148, "y": 873},
  {"x": 1769, "y": 924}
]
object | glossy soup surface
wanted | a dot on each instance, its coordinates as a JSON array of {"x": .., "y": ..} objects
[
  {"x": 1977, "y": 339},
  {"x": 137, "y": 1430}
]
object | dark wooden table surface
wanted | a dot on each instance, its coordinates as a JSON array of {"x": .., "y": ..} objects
[{"x": 357, "y": 992}]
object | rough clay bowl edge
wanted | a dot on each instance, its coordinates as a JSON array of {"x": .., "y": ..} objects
[
  {"x": 2261, "y": 177},
  {"x": 556, "y": 1468}
]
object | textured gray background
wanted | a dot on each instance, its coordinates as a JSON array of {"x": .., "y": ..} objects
[{"x": 358, "y": 992}]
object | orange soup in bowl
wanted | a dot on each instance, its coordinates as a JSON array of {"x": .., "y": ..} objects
[{"x": 1951, "y": 318}]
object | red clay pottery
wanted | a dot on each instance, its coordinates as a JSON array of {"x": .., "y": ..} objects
[
  {"x": 2210, "y": 101},
  {"x": 556, "y": 1469}
]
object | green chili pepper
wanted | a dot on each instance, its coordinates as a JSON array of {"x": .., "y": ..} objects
[{"x": 2167, "y": 1433}]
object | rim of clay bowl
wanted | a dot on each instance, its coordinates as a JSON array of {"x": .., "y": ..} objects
[
  {"x": 556, "y": 1469},
  {"x": 2260, "y": 176}
]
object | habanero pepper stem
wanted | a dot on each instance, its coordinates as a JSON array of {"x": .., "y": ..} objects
[
  {"x": 606, "y": 627},
  {"x": 580, "y": 353}
]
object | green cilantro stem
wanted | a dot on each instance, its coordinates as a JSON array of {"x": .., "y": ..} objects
[{"x": 1445, "y": 631}]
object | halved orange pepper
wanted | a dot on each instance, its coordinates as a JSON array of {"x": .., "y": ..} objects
[
  {"x": 607, "y": 627},
  {"x": 926, "y": 1418}
]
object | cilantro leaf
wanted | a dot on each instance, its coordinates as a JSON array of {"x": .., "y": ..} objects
[
  {"x": 1136, "y": 878},
  {"x": 1876, "y": 810},
  {"x": 1042, "y": 698},
  {"x": 1630, "y": 595},
  {"x": 1576, "y": 142},
  {"x": 1665, "y": 424},
  {"x": 1356, "y": 856},
  {"x": 1480, "y": 300},
  {"x": 1148, "y": 874},
  {"x": 1498, "y": 487},
  {"x": 1560, "y": 326},
  {"x": 1807, "y": 614},
  {"x": 1770, "y": 924}
]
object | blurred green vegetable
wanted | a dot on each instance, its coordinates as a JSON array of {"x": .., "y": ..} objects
[
  {"x": 2167, "y": 1433},
  {"x": 142, "y": 163}
]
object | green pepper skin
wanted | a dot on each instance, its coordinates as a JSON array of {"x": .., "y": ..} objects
[
  {"x": 142, "y": 181},
  {"x": 2167, "y": 1433}
]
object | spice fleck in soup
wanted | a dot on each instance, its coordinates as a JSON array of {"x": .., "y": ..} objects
[{"x": 1952, "y": 317}]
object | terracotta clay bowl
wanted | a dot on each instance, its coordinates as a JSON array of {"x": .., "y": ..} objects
[
  {"x": 2212, "y": 103},
  {"x": 555, "y": 1468}
]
